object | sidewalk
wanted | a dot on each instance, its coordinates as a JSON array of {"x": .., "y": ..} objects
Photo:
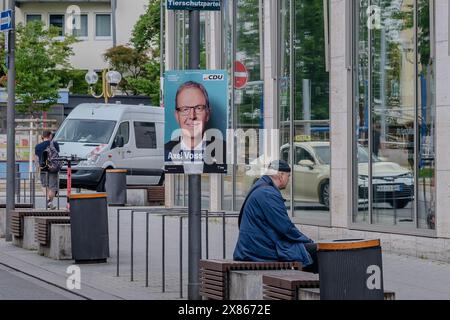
[{"x": 410, "y": 278}]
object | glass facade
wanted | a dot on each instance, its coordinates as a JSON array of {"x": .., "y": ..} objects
[
  {"x": 389, "y": 45},
  {"x": 304, "y": 108},
  {"x": 394, "y": 114}
]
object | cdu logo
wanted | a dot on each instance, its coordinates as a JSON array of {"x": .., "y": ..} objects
[
  {"x": 74, "y": 280},
  {"x": 213, "y": 77}
]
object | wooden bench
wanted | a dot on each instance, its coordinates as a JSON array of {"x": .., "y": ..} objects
[
  {"x": 43, "y": 228},
  {"x": 298, "y": 285},
  {"x": 17, "y": 217},
  {"x": 3, "y": 215},
  {"x": 286, "y": 286},
  {"x": 214, "y": 274}
]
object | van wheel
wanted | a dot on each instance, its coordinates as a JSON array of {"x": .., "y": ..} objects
[{"x": 101, "y": 184}]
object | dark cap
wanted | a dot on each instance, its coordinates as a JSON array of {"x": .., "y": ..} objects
[{"x": 280, "y": 166}]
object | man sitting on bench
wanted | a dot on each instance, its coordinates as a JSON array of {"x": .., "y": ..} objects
[{"x": 265, "y": 231}]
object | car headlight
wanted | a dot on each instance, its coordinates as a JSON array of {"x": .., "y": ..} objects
[
  {"x": 363, "y": 180},
  {"x": 408, "y": 175},
  {"x": 93, "y": 159}
]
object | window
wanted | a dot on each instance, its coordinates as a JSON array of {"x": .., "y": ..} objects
[
  {"x": 145, "y": 133},
  {"x": 285, "y": 154},
  {"x": 57, "y": 20},
  {"x": 394, "y": 115},
  {"x": 103, "y": 25},
  {"x": 304, "y": 100},
  {"x": 86, "y": 131},
  {"x": 34, "y": 17},
  {"x": 124, "y": 132},
  {"x": 301, "y": 154},
  {"x": 83, "y": 30}
]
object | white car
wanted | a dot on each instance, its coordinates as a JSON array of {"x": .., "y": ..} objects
[{"x": 392, "y": 183}]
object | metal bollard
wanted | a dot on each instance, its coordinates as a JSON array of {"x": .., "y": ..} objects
[
  {"x": 181, "y": 257},
  {"x": 163, "y": 253},
  {"x": 146, "y": 249},
  {"x": 17, "y": 168}
]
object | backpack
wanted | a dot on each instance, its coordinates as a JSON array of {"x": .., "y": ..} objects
[{"x": 52, "y": 163}]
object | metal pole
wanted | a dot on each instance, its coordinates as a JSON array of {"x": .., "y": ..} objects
[
  {"x": 17, "y": 171},
  {"x": 181, "y": 257},
  {"x": 207, "y": 234},
  {"x": 224, "y": 241},
  {"x": 132, "y": 249},
  {"x": 10, "y": 124},
  {"x": 113, "y": 21},
  {"x": 118, "y": 241},
  {"x": 195, "y": 183},
  {"x": 163, "y": 253},
  {"x": 146, "y": 250}
]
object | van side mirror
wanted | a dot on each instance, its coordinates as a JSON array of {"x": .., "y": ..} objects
[
  {"x": 307, "y": 163},
  {"x": 119, "y": 142}
]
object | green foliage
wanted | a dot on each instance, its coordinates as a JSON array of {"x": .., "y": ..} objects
[
  {"x": 39, "y": 56},
  {"x": 139, "y": 64},
  {"x": 146, "y": 84},
  {"x": 146, "y": 32},
  {"x": 130, "y": 63},
  {"x": 75, "y": 79}
]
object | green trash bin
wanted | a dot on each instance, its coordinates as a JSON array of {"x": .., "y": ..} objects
[
  {"x": 89, "y": 228},
  {"x": 350, "y": 270},
  {"x": 116, "y": 187}
]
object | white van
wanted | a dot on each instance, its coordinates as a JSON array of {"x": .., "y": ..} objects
[{"x": 113, "y": 136}]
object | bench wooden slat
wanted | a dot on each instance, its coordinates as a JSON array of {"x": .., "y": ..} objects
[
  {"x": 214, "y": 274},
  {"x": 212, "y": 294},
  {"x": 278, "y": 295},
  {"x": 43, "y": 228},
  {"x": 277, "y": 290},
  {"x": 18, "y": 216}
]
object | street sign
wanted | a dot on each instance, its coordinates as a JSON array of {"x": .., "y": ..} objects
[
  {"x": 205, "y": 5},
  {"x": 6, "y": 24},
  {"x": 240, "y": 75}
]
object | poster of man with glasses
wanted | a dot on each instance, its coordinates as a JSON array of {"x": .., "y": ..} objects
[{"x": 196, "y": 104}]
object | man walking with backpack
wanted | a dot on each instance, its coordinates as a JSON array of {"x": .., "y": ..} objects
[{"x": 46, "y": 153}]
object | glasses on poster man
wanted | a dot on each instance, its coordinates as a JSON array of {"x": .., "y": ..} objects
[{"x": 185, "y": 111}]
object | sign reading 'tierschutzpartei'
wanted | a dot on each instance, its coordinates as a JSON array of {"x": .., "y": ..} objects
[{"x": 207, "y": 5}]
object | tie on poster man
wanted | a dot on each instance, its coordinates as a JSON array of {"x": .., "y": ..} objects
[{"x": 196, "y": 106}]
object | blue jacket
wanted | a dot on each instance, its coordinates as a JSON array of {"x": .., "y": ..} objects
[{"x": 266, "y": 232}]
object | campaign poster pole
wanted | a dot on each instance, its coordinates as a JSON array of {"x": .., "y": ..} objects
[
  {"x": 10, "y": 124},
  {"x": 195, "y": 182}
]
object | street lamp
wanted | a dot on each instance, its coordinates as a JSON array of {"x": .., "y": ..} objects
[{"x": 110, "y": 81}]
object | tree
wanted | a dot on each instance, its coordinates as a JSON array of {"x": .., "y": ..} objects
[
  {"x": 139, "y": 63},
  {"x": 131, "y": 64},
  {"x": 146, "y": 32},
  {"x": 39, "y": 55}
]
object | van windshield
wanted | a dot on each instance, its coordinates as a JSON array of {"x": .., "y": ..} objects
[{"x": 86, "y": 131}]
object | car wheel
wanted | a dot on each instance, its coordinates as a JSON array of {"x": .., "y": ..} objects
[
  {"x": 399, "y": 204},
  {"x": 325, "y": 194}
]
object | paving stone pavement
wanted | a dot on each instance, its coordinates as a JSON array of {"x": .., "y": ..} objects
[{"x": 410, "y": 278}]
